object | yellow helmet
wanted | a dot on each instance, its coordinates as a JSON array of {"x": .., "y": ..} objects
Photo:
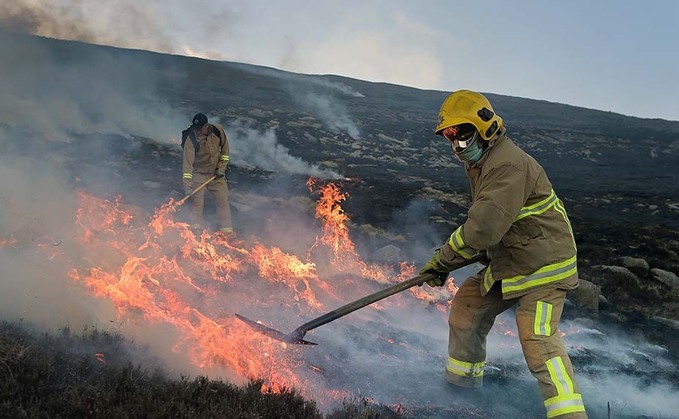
[{"x": 467, "y": 107}]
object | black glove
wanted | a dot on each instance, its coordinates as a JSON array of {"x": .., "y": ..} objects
[
  {"x": 187, "y": 191},
  {"x": 219, "y": 174}
]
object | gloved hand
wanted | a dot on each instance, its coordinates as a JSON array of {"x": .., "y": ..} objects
[
  {"x": 435, "y": 268},
  {"x": 219, "y": 174},
  {"x": 440, "y": 265},
  {"x": 188, "y": 186}
]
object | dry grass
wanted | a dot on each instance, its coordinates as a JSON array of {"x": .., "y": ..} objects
[{"x": 60, "y": 376}]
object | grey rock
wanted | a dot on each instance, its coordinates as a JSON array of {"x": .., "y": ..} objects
[
  {"x": 389, "y": 254},
  {"x": 668, "y": 322},
  {"x": 585, "y": 296},
  {"x": 657, "y": 294},
  {"x": 665, "y": 277},
  {"x": 638, "y": 266},
  {"x": 150, "y": 184},
  {"x": 611, "y": 272}
]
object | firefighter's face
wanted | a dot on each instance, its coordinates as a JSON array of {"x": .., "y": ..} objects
[{"x": 202, "y": 130}]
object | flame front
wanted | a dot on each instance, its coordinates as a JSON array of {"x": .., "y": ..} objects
[{"x": 158, "y": 272}]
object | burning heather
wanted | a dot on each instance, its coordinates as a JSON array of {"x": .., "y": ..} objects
[
  {"x": 98, "y": 121},
  {"x": 157, "y": 273},
  {"x": 178, "y": 291},
  {"x": 93, "y": 260}
]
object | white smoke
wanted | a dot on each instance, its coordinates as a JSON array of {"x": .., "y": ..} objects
[
  {"x": 93, "y": 92},
  {"x": 330, "y": 111},
  {"x": 339, "y": 87},
  {"x": 252, "y": 147},
  {"x": 393, "y": 351},
  {"x": 317, "y": 96}
]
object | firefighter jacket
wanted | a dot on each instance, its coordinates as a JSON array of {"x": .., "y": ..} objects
[
  {"x": 210, "y": 156},
  {"x": 518, "y": 219}
]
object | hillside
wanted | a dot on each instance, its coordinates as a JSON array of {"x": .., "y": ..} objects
[{"x": 90, "y": 132}]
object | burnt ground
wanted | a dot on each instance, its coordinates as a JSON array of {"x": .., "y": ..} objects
[
  {"x": 605, "y": 344},
  {"x": 616, "y": 174}
]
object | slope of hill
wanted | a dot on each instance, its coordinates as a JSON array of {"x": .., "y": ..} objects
[{"x": 105, "y": 121}]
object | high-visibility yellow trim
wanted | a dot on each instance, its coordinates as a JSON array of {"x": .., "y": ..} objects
[
  {"x": 543, "y": 318},
  {"x": 559, "y": 375},
  {"x": 562, "y": 210},
  {"x": 465, "y": 369},
  {"x": 567, "y": 400},
  {"x": 544, "y": 275},
  {"x": 187, "y": 176},
  {"x": 457, "y": 243},
  {"x": 564, "y": 404},
  {"x": 224, "y": 157},
  {"x": 488, "y": 279},
  {"x": 538, "y": 208}
]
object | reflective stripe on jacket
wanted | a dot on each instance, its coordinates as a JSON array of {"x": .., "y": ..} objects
[{"x": 521, "y": 223}]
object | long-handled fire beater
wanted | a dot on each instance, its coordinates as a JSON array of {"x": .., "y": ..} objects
[
  {"x": 297, "y": 335},
  {"x": 193, "y": 192}
]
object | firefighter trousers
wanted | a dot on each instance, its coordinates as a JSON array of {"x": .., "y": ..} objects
[
  {"x": 220, "y": 193},
  {"x": 537, "y": 317}
]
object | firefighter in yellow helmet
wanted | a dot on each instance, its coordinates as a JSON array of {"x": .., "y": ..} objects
[
  {"x": 517, "y": 218},
  {"x": 206, "y": 153}
]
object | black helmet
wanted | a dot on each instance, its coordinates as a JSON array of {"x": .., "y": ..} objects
[{"x": 199, "y": 120}]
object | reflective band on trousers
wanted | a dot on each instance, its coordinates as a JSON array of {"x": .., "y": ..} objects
[
  {"x": 562, "y": 405},
  {"x": 559, "y": 375},
  {"x": 546, "y": 274},
  {"x": 465, "y": 369},
  {"x": 543, "y": 318},
  {"x": 566, "y": 400},
  {"x": 224, "y": 157},
  {"x": 455, "y": 241}
]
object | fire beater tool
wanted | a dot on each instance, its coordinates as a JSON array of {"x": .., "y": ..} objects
[
  {"x": 297, "y": 335},
  {"x": 193, "y": 192}
]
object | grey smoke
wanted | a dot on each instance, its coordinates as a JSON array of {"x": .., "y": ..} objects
[
  {"x": 56, "y": 97},
  {"x": 338, "y": 87},
  {"x": 252, "y": 147},
  {"x": 121, "y": 23},
  {"x": 317, "y": 96},
  {"x": 94, "y": 92},
  {"x": 330, "y": 111}
]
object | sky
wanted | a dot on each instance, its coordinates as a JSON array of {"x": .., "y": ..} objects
[{"x": 612, "y": 55}]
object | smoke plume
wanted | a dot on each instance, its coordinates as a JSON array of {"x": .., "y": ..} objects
[{"x": 56, "y": 110}]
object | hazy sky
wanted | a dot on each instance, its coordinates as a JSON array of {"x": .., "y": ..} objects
[{"x": 613, "y": 55}]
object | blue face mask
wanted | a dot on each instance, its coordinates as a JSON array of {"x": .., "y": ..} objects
[{"x": 471, "y": 154}]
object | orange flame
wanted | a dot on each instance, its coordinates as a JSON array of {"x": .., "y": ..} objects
[
  {"x": 158, "y": 271},
  {"x": 10, "y": 242}
]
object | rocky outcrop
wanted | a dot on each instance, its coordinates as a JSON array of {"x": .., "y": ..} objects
[
  {"x": 636, "y": 287},
  {"x": 586, "y": 296},
  {"x": 637, "y": 266}
]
